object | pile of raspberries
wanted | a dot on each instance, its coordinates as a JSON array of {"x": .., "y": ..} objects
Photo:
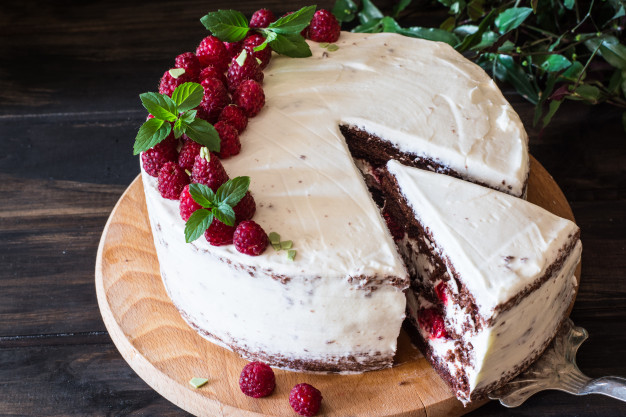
[{"x": 232, "y": 94}]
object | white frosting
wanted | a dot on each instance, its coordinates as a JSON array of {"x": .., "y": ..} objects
[{"x": 498, "y": 244}]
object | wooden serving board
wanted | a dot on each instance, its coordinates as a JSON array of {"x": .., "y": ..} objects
[{"x": 166, "y": 353}]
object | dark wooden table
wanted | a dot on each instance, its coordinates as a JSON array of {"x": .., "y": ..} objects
[{"x": 70, "y": 76}]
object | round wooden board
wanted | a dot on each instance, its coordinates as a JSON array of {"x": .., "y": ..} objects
[{"x": 166, "y": 353}]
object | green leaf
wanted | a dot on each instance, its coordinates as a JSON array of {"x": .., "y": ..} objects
[
  {"x": 508, "y": 70},
  {"x": 488, "y": 39},
  {"x": 399, "y": 7},
  {"x": 197, "y": 224},
  {"x": 586, "y": 92},
  {"x": 198, "y": 382},
  {"x": 457, "y": 7},
  {"x": 465, "y": 30},
  {"x": 188, "y": 96},
  {"x": 373, "y": 26},
  {"x": 476, "y": 37},
  {"x": 269, "y": 36},
  {"x": 554, "y": 106},
  {"x": 204, "y": 133},
  {"x": 449, "y": 24},
  {"x": 573, "y": 72},
  {"x": 512, "y": 18},
  {"x": 179, "y": 128},
  {"x": 431, "y": 34},
  {"x": 151, "y": 133},
  {"x": 227, "y": 25},
  {"x": 475, "y": 9},
  {"x": 345, "y": 10},
  {"x": 292, "y": 45},
  {"x": 188, "y": 116},
  {"x": 233, "y": 190},
  {"x": 225, "y": 214},
  {"x": 274, "y": 238},
  {"x": 203, "y": 195},
  {"x": 614, "y": 53},
  {"x": 553, "y": 63},
  {"x": 569, "y": 4},
  {"x": 293, "y": 23},
  {"x": 369, "y": 12},
  {"x": 160, "y": 106}
]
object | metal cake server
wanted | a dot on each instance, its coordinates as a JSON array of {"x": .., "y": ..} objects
[{"x": 556, "y": 369}]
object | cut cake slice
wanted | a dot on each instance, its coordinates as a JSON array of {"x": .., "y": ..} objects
[{"x": 492, "y": 276}]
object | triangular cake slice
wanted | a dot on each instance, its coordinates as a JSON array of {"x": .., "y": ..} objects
[{"x": 492, "y": 275}]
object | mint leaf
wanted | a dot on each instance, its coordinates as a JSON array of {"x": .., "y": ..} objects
[
  {"x": 179, "y": 128},
  {"x": 225, "y": 214},
  {"x": 511, "y": 18},
  {"x": 431, "y": 34},
  {"x": 188, "y": 116},
  {"x": 554, "y": 63},
  {"x": 204, "y": 133},
  {"x": 160, "y": 106},
  {"x": 198, "y": 222},
  {"x": 233, "y": 190},
  {"x": 294, "y": 22},
  {"x": 203, "y": 195},
  {"x": 345, "y": 10},
  {"x": 227, "y": 25},
  {"x": 269, "y": 36},
  {"x": 150, "y": 133},
  {"x": 369, "y": 12},
  {"x": 187, "y": 96},
  {"x": 292, "y": 45}
]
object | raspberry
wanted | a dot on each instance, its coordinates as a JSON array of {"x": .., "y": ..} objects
[
  {"x": 235, "y": 117},
  {"x": 229, "y": 140},
  {"x": 305, "y": 399},
  {"x": 396, "y": 230},
  {"x": 212, "y": 51},
  {"x": 154, "y": 158},
  {"x": 441, "y": 291},
  {"x": 215, "y": 99},
  {"x": 172, "y": 180},
  {"x": 187, "y": 204},
  {"x": 219, "y": 234},
  {"x": 324, "y": 27},
  {"x": 431, "y": 320},
  {"x": 245, "y": 209},
  {"x": 249, "y": 71},
  {"x": 208, "y": 170},
  {"x": 168, "y": 83},
  {"x": 188, "y": 154},
  {"x": 233, "y": 48},
  {"x": 250, "y": 238},
  {"x": 250, "y": 97},
  {"x": 189, "y": 61},
  {"x": 257, "y": 380},
  {"x": 261, "y": 18},
  {"x": 263, "y": 55},
  {"x": 212, "y": 72}
]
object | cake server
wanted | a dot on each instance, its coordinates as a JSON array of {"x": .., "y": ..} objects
[{"x": 556, "y": 369}]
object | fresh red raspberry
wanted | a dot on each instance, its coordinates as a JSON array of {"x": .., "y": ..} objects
[
  {"x": 324, "y": 27},
  {"x": 172, "y": 180},
  {"x": 187, "y": 204},
  {"x": 212, "y": 72},
  {"x": 168, "y": 83},
  {"x": 233, "y": 48},
  {"x": 188, "y": 153},
  {"x": 189, "y": 61},
  {"x": 249, "y": 71},
  {"x": 219, "y": 234},
  {"x": 250, "y": 238},
  {"x": 215, "y": 99},
  {"x": 250, "y": 97},
  {"x": 261, "y": 19},
  {"x": 257, "y": 380},
  {"x": 235, "y": 117},
  {"x": 431, "y": 320},
  {"x": 245, "y": 209},
  {"x": 154, "y": 158},
  {"x": 396, "y": 230},
  {"x": 305, "y": 399},
  {"x": 229, "y": 140},
  {"x": 442, "y": 292},
  {"x": 208, "y": 170},
  {"x": 263, "y": 55},
  {"x": 212, "y": 51}
]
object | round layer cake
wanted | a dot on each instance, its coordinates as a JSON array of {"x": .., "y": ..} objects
[{"x": 338, "y": 306}]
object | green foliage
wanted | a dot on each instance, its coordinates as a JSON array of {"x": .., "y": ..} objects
[{"x": 549, "y": 51}]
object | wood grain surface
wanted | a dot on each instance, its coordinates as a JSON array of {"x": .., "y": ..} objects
[
  {"x": 70, "y": 76},
  {"x": 167, "y": 353}
]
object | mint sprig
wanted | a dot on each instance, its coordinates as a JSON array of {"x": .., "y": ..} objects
[
  {"x": 282, "y": 35},
  {"x": 175, "y": 113},
  {"x": 216, "y": 205}
]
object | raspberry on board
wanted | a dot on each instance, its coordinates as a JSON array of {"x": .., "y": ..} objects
[
  {"x": 233, "y": 48},
  {"x": 229, "y": 140},
  {"x": 208, "y": 170},
  {"x": 172, "y": 179},
  {"x": 187, "y": 204},
  {"x": 250, "y": 238},
  {"x": 214, "y": 100},
  {"x": 212, "y": 51},
  {"x": 219, "y": 234},
  {"x": 250, "y": 70},
  {"x": 212, "y": 72},
  {"x": 188, "y": 153},
  {"x": 245, "y": 209},
  {"x": 154, "y": 158},
  {"x": 190, "y": 63},
  {"x": 257, "y": 380},
  {"x": 168, "y": 82},
  {"x": 250, "y": 97},
  {"x": 324, "y": 27},
  {"x": 261, "y": 18},
  {"x": 305, "y": 399},
  {"x": 234, "y": 116}
]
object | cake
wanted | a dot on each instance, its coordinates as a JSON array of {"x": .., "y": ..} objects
[
  {"x": 492, "y": 276},
  {"x": 328, "y": 120}
]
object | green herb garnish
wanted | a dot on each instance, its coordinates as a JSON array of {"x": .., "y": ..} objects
[
  {"x": 291, "y": 254},
  {"x": 198, "y": 382},
  {"x": 274, "y": 238}
]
